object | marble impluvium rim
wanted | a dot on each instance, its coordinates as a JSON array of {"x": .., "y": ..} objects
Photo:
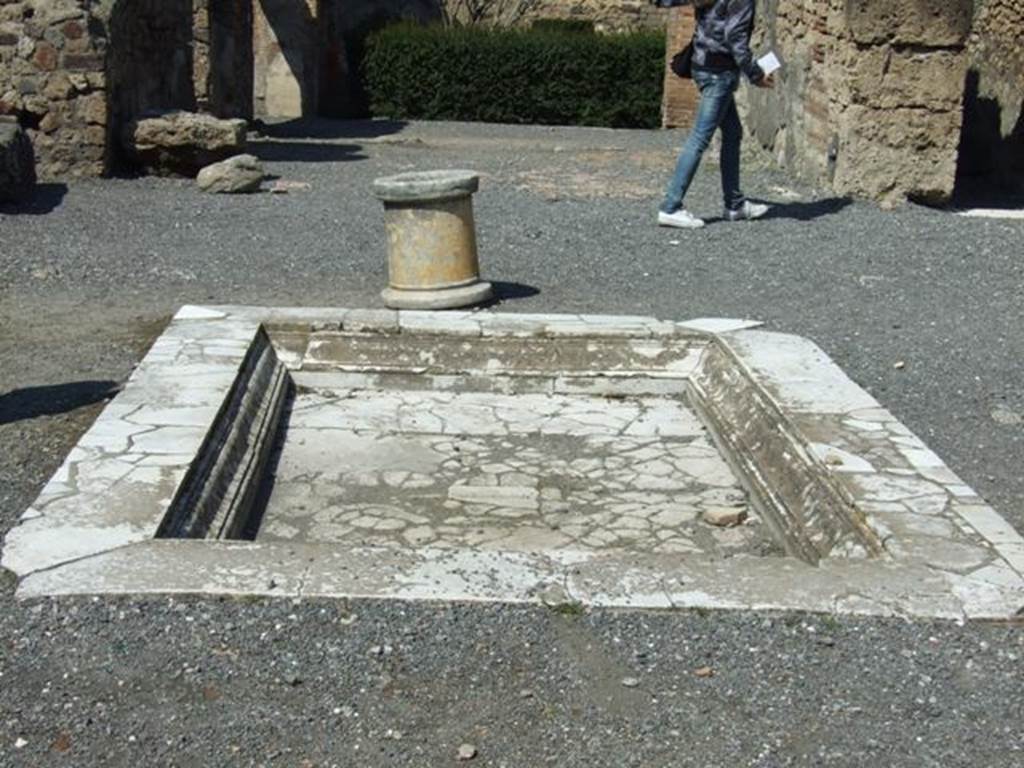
[{"x": 916, "y": 541}]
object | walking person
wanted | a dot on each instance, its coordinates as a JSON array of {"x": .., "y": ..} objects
[{"x": 721, "y": 53}]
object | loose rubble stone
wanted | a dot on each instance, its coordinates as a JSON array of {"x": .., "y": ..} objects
[
  {"x": 238, "y": 174},
  {"x": 181, "y": 142},
  {"x": 467, "y": 752},
  {"x": 725, "y": 517},
  {"x": 630, "y": 682},
  {"x": 17, "y": 163}
]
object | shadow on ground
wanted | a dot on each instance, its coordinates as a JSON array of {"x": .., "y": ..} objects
[
  {"x": 808, "y": 211},
  {"x": 31, "y": 402},
  {"x": 300, "y": 152},
  {"x": 798, "y": 211},
  {"x": 324, "y": 128},
  {"x": 316, "y": 140},
  {"x": 44, "y": 199},
  {"x": 504, "y": 291}
]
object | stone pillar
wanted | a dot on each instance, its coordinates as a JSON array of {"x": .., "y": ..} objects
[
  {"x": 286, "y": 51},
  {"x": 432, "y": 256},
  {"x": 899, "y": 137},
  {"x": 52, "y": 79},
  {"x": 230, "y": 85},
  {"x": 869, "y": 100}
]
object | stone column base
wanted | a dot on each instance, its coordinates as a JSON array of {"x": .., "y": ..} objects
[
  {"x": 432, "y": 258},
  {"x": 440, "y": 298}
]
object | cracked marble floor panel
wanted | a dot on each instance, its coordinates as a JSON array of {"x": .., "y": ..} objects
[{"x": 521, "y": 473}]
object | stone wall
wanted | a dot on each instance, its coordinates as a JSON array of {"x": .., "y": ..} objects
[
  {"x": 230, "y": 78},
  {"x": 992, "y": 144},
  {"x": 870, "y": 100},
  {"x": 607, "y": 15},
  {"x": 73, "y": 72},
  {"x": 53, "y": 80},
  {"x": 286, "y": 57}
]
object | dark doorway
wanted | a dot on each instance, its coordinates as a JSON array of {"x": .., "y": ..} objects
[{"x": 990, "y": 163}]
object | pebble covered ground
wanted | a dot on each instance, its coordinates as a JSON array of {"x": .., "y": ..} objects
[{"x": 921, "y": 307}]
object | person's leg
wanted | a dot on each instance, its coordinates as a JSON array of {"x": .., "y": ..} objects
[
  {"x": 732, "y": 137},
  {"x": 737, "y": 207},
  {"x": 715, "y": 93}
]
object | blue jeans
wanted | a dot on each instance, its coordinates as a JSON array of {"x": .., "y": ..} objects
[{"x": 717, "y": 109}]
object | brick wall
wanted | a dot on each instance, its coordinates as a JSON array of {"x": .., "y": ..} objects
[{"x": 679, "y": 97}]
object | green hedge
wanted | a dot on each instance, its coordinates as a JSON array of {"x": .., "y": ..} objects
[
  {"x": 579, "y": 26},
  {"x": 515, "y": 76}
]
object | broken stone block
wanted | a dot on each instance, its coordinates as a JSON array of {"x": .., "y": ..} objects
[
  {"x": 182, "y": 143},
  {"x": 17, "y": 162},
  {"x": 725, "y": 517},
  {"x": 236, "y": 175}
]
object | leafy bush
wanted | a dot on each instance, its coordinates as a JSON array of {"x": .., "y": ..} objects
[{"x": 515, "y": 76}]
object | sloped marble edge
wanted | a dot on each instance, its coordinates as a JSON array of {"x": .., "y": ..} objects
[
  {"x": 794, "y": 492},
  {"x": 115, "y": 486},
  {"x": 923, "y": 512},
  {"x": 216, "y": 497}
]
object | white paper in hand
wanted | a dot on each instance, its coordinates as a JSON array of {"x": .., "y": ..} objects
[{"x": 769, "y": 63}]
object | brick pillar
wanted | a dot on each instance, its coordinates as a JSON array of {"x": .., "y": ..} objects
[{"x": 679, "y": 99}]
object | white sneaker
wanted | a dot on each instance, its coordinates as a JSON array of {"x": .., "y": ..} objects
[
  {"x": 746, "y": 212},
  {"x": 682, "y": 219}
]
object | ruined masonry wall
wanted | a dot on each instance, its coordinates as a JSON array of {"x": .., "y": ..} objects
[
  {"x": 871, "y": 99},
  {"x": 73, "y": 70},
  {"x": 52, "y": 79},
  {"x": 607, "y": 15}
]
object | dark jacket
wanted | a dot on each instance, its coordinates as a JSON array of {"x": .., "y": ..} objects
[{"x": 722, "y": 38}]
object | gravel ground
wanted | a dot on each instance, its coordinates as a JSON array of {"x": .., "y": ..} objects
[{"x": 91, "y": 272}]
